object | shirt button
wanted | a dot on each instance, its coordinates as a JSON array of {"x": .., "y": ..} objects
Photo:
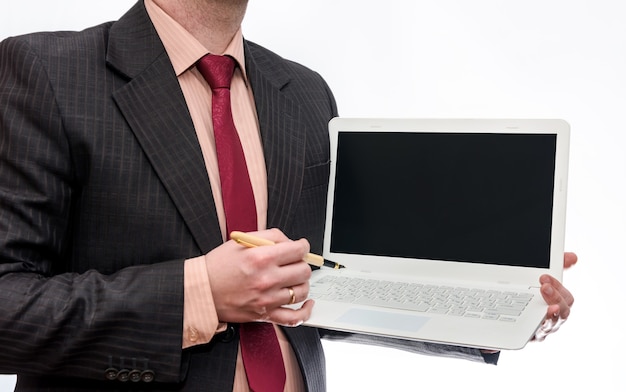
[{"x": 229, "y": 334}]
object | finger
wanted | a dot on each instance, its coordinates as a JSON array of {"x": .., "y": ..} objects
[
  {"x": 274, "y": 290},
  {"x": 278, "y": 237},
  {"x": 295, "y": 275},
  {"x": 278, "y": 254},
  {"x": 551, "y": 323},
  {"x": 558, "y": 307},
  {"x": 553, "y": 313},
  {"x": 565, "y": 293},
  {"x": 292, "y": 252},
  {"x": 273, "y": 235},
  {"x": 569, "y": 259},
  {"x": 548, "y": 323},
  {"x": 290, "y": 295},
  {"x": 543, "y": 331},
  {"x": 297, "y": 293},
  {"x": 292, "y": 317}
]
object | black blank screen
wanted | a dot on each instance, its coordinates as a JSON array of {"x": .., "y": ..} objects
[{"x": 483, "y": 198}]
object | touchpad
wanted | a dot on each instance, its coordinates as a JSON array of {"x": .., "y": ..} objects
[{"x": 387, "y": 320}]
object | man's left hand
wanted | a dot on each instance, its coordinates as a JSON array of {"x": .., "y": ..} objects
[{"x": 558, "y": 298}]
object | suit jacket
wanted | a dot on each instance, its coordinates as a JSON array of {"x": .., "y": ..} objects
[{"x": 104, "y": 193}]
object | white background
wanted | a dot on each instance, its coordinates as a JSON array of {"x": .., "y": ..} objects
[{"x": 459, "y": 58}]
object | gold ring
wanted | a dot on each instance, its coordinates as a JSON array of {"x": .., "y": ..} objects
[{"x": 292, "y": 296}]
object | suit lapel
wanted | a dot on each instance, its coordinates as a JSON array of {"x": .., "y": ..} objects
[
  {"x": 155, "y": 109},
  {"x": 283, "y": 135}
]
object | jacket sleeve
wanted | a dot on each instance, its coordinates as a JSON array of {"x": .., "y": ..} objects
[{"x": 54, "y": 322}]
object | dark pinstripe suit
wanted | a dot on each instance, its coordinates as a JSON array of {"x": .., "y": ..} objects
[{"x": 104, "y": 193}]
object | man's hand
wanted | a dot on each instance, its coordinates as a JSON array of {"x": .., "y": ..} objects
[
  {"x": 252, "y": 284},
  {"x": 558, "y": 298}
]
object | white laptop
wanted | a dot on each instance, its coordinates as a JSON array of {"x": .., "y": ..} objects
[{"x": 444, "y": 227}]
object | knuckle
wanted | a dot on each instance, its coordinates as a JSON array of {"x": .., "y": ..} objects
[
  {"x": 261, "y": 303},
  {"x": 263, "y": 283},
  {"x": 258, "y": 260},
  {"x": 262, "y": 316},
  {"x": 306, "y": 246},
  {"x": 276, "y": 234}
]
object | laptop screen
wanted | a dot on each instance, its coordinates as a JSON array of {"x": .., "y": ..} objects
[{"x": 470, "y": 197}]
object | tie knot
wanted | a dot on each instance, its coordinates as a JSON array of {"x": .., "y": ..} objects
[{"x": 217, "y": 70}]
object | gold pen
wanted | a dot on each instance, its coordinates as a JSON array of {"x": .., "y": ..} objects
[{"x": 251, "y": 241}]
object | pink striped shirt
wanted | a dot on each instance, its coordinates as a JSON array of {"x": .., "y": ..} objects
[{"x": 200, "y": 320}]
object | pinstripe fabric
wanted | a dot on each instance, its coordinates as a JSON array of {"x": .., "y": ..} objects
[
  {"x": 104, "y": 193},
  {"x": 198, "y": 96}
]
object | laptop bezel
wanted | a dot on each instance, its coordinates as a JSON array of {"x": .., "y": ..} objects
[{"x": 465, "y": 271}]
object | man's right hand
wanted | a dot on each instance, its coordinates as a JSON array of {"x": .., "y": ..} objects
[{"x": 253, "y": 284}]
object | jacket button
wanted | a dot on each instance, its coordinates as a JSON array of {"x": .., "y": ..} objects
[
  {"x": 123, "y": 375},
  {"x": 111, "y": 374},
  {"x": 147, "y": 376},
  {"x": 229, "y": 334},
  {"x": 134, "y": 375}
]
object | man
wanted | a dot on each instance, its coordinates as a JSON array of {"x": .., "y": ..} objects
[{"x": 115, "y": 269}]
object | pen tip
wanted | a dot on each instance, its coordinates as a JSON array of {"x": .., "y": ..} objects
[{"x": 332, "y": 264}]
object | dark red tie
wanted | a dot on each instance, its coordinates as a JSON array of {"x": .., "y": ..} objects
[{"x": 260, "y": 350}]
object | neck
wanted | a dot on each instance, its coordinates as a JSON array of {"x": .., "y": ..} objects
[{"x": 212, "y": 22}]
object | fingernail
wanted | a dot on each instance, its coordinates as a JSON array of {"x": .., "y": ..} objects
[{"x": 548, "y": 290}]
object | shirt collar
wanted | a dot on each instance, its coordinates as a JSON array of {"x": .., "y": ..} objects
[{"x": 184, "y": 57}]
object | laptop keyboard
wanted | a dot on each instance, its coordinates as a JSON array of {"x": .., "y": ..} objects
[{"x": 504, "y": 306}]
